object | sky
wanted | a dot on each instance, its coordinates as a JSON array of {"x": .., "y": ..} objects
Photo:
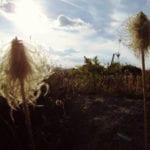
[{"x": 71, "y": 29}]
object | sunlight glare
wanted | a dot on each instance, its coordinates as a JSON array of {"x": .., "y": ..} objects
[{"x": 29, "y": 17}]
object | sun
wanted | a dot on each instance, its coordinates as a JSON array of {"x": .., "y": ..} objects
[{"x": 28, "y": 17}]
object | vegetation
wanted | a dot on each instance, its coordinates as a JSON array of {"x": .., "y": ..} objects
[
  {"x": 20, "y": 77},
  {"x": 93, "y": 78},
  {"x": 85, "y": 107},
  {"x": 138, "y": 28}
]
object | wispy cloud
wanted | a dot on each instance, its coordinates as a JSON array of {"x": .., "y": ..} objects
[
  {"x": 63, "y": 53},
  {"x": 117, "y": 18},
  {"x": 73, "y": 4}
]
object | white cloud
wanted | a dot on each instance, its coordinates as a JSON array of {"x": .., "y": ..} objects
[
  {"x": 8, "y": 7},
  {"x": 117, "y": 18},
  {"x": 68, "y": 48},
  {"x": 75, "y": 25},
  {"x": 68, "y": 37},
  {"x": 66, "y": 21}
]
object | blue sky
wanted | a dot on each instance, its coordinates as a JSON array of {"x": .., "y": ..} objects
[{"x": 71, "y": 29}]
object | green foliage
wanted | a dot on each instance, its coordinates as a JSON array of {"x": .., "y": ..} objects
[
  {"x": 93, "y": 78},
  {"x": 114, "y": 68},
  {"x": 88, "y": 74},
  {"x": 91, "y": 66}
]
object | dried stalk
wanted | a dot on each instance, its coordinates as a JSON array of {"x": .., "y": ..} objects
[
  {"x": 27, "y": 116},
  {"x": 138, "y": 39},
  {"x": 21, "y": 76}
]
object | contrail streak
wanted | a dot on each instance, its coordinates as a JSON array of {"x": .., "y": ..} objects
[{"x": 73, "y": 4}]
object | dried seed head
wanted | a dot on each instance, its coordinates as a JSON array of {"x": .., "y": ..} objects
[
  {"x": 21, "y": 62},
  {"x": 139, "y": 29},
  {"x": 136, "y": 33}
]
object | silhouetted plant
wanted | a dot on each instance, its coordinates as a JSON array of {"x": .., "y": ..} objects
[
  {"x": 137, "y": 37},
  {"x": 22, "y": 76}
]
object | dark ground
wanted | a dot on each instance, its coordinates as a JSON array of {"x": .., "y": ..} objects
[{"x": 85, "y": 123}]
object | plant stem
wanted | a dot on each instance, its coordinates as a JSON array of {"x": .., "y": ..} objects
[
  {"x": 27, "y": 116},
  {"x": 145, "y": 101}
]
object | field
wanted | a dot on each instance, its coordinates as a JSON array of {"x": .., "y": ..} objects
[{"x": 89, "y": 107}]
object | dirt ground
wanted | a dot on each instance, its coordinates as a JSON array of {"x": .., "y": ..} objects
[{"x": 90, "y": 122}]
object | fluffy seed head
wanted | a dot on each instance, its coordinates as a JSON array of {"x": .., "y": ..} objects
[
  {"x": 21, "y": 62},
  {"x": 136, "y": 33}
]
